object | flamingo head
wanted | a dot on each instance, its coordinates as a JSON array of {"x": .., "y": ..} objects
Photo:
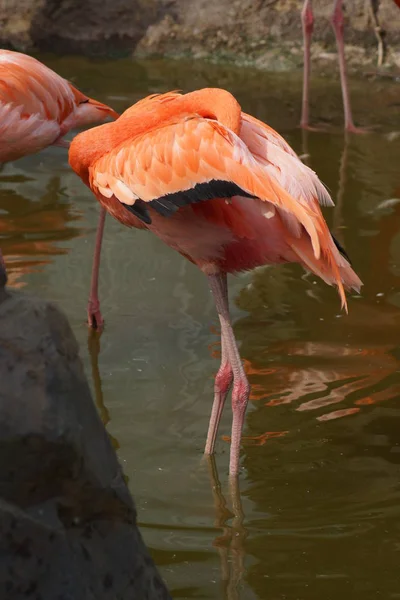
[{"x": 88, "y": 111}]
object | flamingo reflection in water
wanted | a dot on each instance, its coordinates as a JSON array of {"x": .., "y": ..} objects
[
  {"x": 32, "y": 231},
  {"x": 230, "y": 543}
]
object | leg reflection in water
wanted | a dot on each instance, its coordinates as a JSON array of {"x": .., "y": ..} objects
[
  {"x": 94, "y": 352},
  {"x": 305, "y": 156},
  {"x": 230, "y": 544}
]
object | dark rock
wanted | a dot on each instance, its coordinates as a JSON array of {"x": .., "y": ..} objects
[
  {"x": 67, "y": 521},
  {"x": 93, "y": 27}
]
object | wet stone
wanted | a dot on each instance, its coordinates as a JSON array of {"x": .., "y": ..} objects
[{"x": 67, "y": 520}]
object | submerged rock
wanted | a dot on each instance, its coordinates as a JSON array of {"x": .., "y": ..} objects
[{"x": 67, "y": 521}]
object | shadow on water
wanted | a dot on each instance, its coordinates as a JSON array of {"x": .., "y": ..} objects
[{"x": 317, "y": 514}]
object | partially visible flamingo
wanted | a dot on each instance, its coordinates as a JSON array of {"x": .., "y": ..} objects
[
  {"x": 38, "y": 107},
  {"x": 307, "y": 18},
  {"x": 223, "y": 189}
]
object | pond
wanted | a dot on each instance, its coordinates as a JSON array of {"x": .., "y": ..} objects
[{"x": 318, "y": 510}]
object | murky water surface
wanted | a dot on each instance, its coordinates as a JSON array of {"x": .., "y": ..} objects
[{"x": 320, "y": 490}]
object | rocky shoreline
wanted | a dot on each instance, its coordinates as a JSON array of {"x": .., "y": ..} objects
[
  {"x": 68, "y": 524},
  {"x": 261, "y": 33}
]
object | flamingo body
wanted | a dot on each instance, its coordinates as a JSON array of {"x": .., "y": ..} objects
[
  {"x": 224, "y": 190},
  {"x": 38, "y": 107}
]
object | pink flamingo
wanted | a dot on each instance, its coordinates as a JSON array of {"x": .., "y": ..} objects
[
  {"x": 223, "y": 189},
  {"x": 38, "y": 107}
]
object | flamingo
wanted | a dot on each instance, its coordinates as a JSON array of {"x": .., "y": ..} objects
[
  {"x": 337, "y": 21},
  {"x": 223, "y": 189},
  {"x": 38, "y": 107}
]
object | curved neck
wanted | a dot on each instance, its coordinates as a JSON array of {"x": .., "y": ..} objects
[
  {"x": 216, "y": 104},
  {"x": 211, "y": 103}
]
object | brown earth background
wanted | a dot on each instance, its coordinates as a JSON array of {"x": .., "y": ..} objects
[{"x": 262, "y": 33}]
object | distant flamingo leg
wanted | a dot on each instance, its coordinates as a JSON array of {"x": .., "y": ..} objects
[
  {"x": 307, "y": 21},
  {"x": 337, "y": 22},
  {"x": 223, "y": 382},
  {"x": 241, "y": 387},
  {"x": 3, "y": 271},
  {"x": 95, "y": 320}
]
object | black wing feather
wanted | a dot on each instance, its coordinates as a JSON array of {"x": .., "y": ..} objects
[{"x": 168, "y": 205}]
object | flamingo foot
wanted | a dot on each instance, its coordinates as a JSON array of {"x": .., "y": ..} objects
[
  {"x": 313, "y": 128},
  {"x": 359, "y": 130},
  {"x": 350, "y": 128},
  {"x": 95, "y": 319}
]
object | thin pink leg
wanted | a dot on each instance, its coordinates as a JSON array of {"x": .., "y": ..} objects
[
  {"x": 95, "y": 320},
  {"x": 338, "y": 27},
  {"x": 307, "y": 21},
  {"x": 223, "y": 382},
  {"x": 241, "y": 387},
  {"x": 3, "y": 271}
]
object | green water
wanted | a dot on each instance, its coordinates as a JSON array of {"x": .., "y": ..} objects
[{"x": 317, "y": 515}]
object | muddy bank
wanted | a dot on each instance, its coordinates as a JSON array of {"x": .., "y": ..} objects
[{"x": 263, "y": 33}]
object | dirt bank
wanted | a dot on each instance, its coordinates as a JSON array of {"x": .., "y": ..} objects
[{"x": 264, "y": 33}]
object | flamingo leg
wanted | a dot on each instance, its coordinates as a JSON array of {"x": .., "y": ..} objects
[
  {"x": 307, "y": 21},
  {"x": 337, "y": 22},
  {"x": 223, "y": 382},
  {"x": 3, "y": 271},
  {"x": 241, "y": 387},
  {"x": 95, "y": 320}
]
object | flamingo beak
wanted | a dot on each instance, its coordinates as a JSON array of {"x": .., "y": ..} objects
[{"x": 104, "y": 107}]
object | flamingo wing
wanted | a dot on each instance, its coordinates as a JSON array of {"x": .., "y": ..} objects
[
  {"x": 282, "y": 163},
  {"x": 192, "y": 160}
]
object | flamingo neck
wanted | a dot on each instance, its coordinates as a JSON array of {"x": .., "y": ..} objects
[
  {"x": 211, "y": 103},
  {"x": 214, "y": 103}
]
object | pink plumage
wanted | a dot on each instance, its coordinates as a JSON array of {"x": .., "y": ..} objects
[
  {"x": 223, "y": 189},
  {"x": 38, "y": 107}
]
